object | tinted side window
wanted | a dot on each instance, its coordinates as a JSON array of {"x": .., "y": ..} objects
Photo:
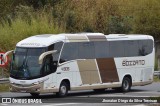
[
  {"x": 105, "y": 49},
  {"x": 145, "y": 47},
  {"x": 86, "y": 50},
  {"x": 47, "y": 68},
  {"x": 58, "y": 47},
  {"x": 51, "y": 61},
  {"x": 150, "y": 46},
  {"x": 131, "y": 48},
  {"x": 69, "y": 52},
  {"x": 101, "y": 49},
  {"x": 116, "y": 49}
]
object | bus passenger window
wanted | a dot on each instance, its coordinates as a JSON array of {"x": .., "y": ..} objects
[
  {"x": 55, "y": 56},
  {"x": 101, "y": 49},
  {"x": 145, "y": 47},
  {"x": 69, "y": 52},
  {"x": 116, "y": 49},
  {"x": 131, "y": 48},
  {"x": 86, "y": 50},
  {"x": 58, "y": 47}
]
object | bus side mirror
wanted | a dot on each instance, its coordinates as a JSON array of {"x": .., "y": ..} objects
[
  {"x": 6, "y": 54},
  {"x": 43, "y": 55}
]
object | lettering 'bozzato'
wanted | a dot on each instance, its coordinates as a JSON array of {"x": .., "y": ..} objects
[{"x": 133, "y": 62}]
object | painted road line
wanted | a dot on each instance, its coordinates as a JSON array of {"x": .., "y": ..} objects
[
  {"x": 114, "y": 96},
  {"x": 58, "y": 104},
  {"x": 149, "y": 92},
  {"x": 4, "y": 104},
  {"x": 61, "y": 104}
]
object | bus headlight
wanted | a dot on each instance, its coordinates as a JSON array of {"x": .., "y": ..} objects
[{"x": 12, "y": 82}]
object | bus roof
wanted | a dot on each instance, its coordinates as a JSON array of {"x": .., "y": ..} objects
[{"x": 45, "y": 40}]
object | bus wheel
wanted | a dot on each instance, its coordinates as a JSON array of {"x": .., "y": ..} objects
[
  {"x": 63, "y": 90},
  {"x": 34, "y": 94},
  {"x": 126, "y": 84}
]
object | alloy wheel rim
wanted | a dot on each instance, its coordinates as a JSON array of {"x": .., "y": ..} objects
[
  {"x": 126, "y": 85},
  {"x": 63, "y": 90}
]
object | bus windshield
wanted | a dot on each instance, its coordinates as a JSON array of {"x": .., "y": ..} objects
[{"x": 24, "y": 63}]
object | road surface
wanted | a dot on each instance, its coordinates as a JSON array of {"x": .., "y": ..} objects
[{"x": 91, "y": 98}]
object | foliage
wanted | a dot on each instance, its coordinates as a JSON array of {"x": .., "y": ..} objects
[
  {"x": 22, "y": 18},
  {"x": 4, "y": 87},
  {"x": 147, "y": 18},
  {"x": 156, "y": 79},
  {"x": 156, "y": 63},
  {"x": 110, "y": 16},
  {"x": 25, "y": 24}
]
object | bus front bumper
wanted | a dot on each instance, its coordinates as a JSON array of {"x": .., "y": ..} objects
[
  {"x": 37, "y": 88},
  {"x": 28, "y": 89}
]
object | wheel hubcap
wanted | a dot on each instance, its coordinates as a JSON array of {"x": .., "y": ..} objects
[
  {"x": 63, "y": 90},
  {"x": 126, "y": 85}
]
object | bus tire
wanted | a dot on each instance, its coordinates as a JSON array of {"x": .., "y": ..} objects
[
  {"x": 34, "y": 94},
  {"x": 63, "y": 90},
  {"x": 126, "y": 84}
]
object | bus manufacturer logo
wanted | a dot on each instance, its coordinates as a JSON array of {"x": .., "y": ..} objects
[
  {"x": 133, "y": 62},
  {"x": 30, "y": 44},
  {"x": 65, "y": 69}
]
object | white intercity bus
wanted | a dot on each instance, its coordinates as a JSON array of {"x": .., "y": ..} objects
[{"x": 83, "y": 61}]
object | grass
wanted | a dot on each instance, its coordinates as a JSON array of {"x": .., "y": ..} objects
[
  {"x": 26, "y": 25},
  {"x": 20, "y": 29},
  {"x": 156, "y": 63},
  {"x": 106, "y": 16},
  {"x": 155, "y": 98},
  {"x": 156, "y": 79},
  {"x": 4, "y": 87}
]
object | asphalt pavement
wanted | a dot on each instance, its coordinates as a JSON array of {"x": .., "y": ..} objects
[{"x": 91, "y": 98}]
